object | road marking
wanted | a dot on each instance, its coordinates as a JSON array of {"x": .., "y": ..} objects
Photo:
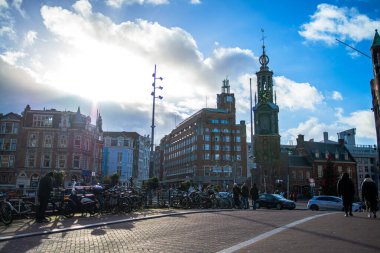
[{"x": 269, "y": 234}]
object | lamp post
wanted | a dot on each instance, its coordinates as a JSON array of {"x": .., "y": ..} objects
[
  {"x": 151, "y": 164},
  {"x": 253, "y": 152}
]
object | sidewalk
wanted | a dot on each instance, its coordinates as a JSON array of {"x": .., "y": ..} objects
[{"x": 27, "y": 227}]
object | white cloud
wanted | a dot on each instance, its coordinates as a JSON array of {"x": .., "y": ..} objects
[
  {"x": 313, "y": 127},
  {"x": 29, "y": 38},
  {"x": 12, "y": 57},
  {"x": 195, "y": 1},
  {"x": 119, "y": 3},
  {"x": 363, "y": 121},
  {"x": 336, "y": 95},
  {"x": 4, "y": 4},
  {"x": 330, "y": 22},
  {"x": 296, "y": 96}
]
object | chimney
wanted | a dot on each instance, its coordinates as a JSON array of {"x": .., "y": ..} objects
[
  {"x": 300, "y": 140},
  {"x": 325, "y": 137}
]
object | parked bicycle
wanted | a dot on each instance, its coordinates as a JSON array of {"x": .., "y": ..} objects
[{"x": 5, "y": 210}]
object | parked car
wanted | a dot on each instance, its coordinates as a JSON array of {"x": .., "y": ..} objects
[
  {"x": 274, "y": 201},
  {"x": 325, "y": 202}
]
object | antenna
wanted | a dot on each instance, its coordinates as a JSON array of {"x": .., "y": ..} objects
[{"x": 354, "y": 49}]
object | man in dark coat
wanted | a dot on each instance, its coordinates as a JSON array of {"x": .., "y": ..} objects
[
  {"x": 254, "y": 192},
  {"x": 245, "y": 195},
  {"x": 45, "y": 187},
  {"x": 346, "y": 189},
  {"x": 236, "y": 192},
  {"x": 370, "y": 195}
]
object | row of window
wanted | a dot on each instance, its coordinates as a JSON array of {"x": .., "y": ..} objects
[
  {"x": 218, "y": 147},
  {"x": 223, "y": 157},
  {"x": 217, "y": 121},
  {"x": 183, "y": 143},
  {"x": 77, "y": 162},
  {"x": 117, "y": 142},
  {"x": 340, "y": 171},
  {"x": 7, "y": 144},
  {"x": 9, "y": 127},
  {"x": 216, "y": 138},
  {"x": 327, "y": 155},
  {"x": 48, "y": 140},
  {"x": 42, "y": 120}
]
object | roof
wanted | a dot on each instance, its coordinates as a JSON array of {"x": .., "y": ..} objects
[
  {"x": 330, "y": 148},
  {"x": 376, "y": 40},
  {"x": 10, "y": 116},
  {"x": 298, "y": 161}
]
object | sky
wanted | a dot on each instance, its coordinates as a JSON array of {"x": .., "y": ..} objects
[{"x": 100, "y": 55}]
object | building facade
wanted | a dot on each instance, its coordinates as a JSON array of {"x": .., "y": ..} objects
[
  {"x": 118, "y": 156},
  {"x": 9, "y": 132},
  {"x": 51, "y": 140},
  {"x": 208, "y": 147},
  {"x": 375, "y": 90}
]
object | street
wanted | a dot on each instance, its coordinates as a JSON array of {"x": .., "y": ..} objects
[{"x": 262, "y": 230}]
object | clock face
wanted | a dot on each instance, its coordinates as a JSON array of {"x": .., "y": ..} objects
[{"x": 265, "y": 96}]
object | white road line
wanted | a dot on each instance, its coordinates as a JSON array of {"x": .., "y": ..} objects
[{"x": 268, "y": 234}]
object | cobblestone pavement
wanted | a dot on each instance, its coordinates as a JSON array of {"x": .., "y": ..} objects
[{"x": 197, "y": 232}]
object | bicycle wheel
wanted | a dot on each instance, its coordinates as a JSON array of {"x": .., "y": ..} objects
[
  {"x": 68, "y": 210},
  {"x": 6, "y": 213}
]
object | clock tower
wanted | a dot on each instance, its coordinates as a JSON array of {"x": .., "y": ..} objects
[{"x": 266, "y": 139}]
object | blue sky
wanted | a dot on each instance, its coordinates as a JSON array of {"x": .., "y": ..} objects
[{"x": 100, "y": 55}]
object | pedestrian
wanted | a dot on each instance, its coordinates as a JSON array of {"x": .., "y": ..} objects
[
  {"x": 236, "y": 192},
  {"x": 346, "y": 189},
  {"x": 370, "y": 195},
  {"x": 254, "y": 192},
  {"x": 44, "y": 189},
  {"x": 245, "y": 195}
]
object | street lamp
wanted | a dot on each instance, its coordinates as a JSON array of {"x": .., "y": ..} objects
[{"x": 151, "y": 167}]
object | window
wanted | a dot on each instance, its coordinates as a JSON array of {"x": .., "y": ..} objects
[
  {"x": 126, "y": 143},
  {"x": 42, "y": 120},
  {"x": 119, "y": 157},
  {"x": 307, "y": 174},
  {"x": 107, "y": 142},
  {"x": 237, "y": 138},
  {"x": 238, "y": 148},
  {"x": 7, "y": 161},
  {"x": 207, "y": 156},
  {"x": 216, "y": 157},
  {"x": 77, "y": 141},
  {"x": 226, "y": 157},
  {"x": 226, "y": 138},
  {"x": 224, "y": 121},
  {"x": 33, "y": 140},
  {"x": 207, "y": 147},
  {"x": 120, "y": 142},
  {"x": 48, "y": 141},
  {"x": 317, "y": 154},
  {"x": 206, "y": 137},
  {"x": 62, "y": 143},
  {"x": 226, "y": 148},
  {"x": 61, "y": 161},
  {"x": 30, "y": 160},
  {"x": 8, "y": 128},
  {"x": 215, "y": 130},
  {"x": 216, "y": 147},
  {"x": 339, "y": 170},
  {"x": 238, "y": 157},
  {"x": 76, "y": 160},
  {"x": 216, "y": 138},
  {"x": 320, "y": 171},
  {"x": 8, "y": 144},
  {"x": 46, "y": 160}
]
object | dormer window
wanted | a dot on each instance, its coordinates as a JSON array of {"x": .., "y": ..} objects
[
  {"x": 336, "y": 155},
  {"x": 317, "y": 154},
  {"x": 346, "y": 156}
]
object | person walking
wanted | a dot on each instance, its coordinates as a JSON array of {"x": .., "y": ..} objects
[
  {"x": 254, "y": 192},
  {"x": 45, "y": 187},
  {"x": 245, "y": 195},
  {"x": 346, "y": 189},
  {"x": 370, "y": 195},
  {"x": 236, "y": 192}
]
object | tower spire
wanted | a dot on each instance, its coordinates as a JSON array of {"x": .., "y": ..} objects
[{"x": 264, "y": 59}]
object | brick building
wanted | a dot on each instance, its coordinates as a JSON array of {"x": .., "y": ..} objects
[
  {"x": 208, "y": 147},
  {"x": 51, "y": 140}
]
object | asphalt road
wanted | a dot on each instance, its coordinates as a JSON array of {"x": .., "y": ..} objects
[{"x": 225, "y": 231}]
